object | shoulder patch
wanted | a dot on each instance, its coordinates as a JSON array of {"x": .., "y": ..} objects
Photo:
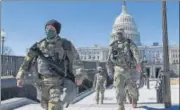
[{"x": 66, "y": 44}]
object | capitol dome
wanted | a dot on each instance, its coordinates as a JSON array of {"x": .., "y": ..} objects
[{"x": 126, "y": 21}]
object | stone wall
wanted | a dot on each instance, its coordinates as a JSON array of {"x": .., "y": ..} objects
[{"x": 27, "y": 91}]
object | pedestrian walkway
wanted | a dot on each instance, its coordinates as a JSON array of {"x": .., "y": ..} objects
[{"x": 147, "y": 98}]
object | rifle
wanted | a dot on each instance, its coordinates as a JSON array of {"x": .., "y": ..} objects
[{"x": 52, "y": 63}]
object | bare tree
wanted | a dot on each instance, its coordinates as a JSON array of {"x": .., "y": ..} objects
[{"x": 8, "y": 51}]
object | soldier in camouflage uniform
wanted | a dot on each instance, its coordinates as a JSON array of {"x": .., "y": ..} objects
[
  {"x": 123, "y": 58},
  {"x": 55, "y": 90},
  {"x": 99, "y": 84}
]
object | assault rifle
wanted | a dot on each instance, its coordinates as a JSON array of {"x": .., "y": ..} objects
[{"x": 52, "y": 63}]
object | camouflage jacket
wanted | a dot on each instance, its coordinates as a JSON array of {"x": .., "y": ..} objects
[
  {"x": 123, "y": 54},
  {"x": 57, "y": 50},
  {"x": 100, "y": 80}
]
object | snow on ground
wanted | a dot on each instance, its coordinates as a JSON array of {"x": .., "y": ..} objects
[
  {"x": 88, "y": 103},
  {"x": 147, "y": 101}
]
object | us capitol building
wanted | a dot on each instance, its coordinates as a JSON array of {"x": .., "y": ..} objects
[{"x": 152, "y": 53}]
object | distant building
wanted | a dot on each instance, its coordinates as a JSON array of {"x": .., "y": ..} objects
[
  {"x": 95, "y": 53},
  {"x": 154, "y": 53},
  {"x": 174, "y": 54}
]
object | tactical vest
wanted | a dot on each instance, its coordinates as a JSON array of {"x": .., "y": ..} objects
[
  {"x": 100, "y": 79},
  {"x": 122, "y": 55},
  {"x": 57, "y": 52}
]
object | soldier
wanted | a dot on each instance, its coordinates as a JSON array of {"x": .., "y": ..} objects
[
  {"x": 99, "y": 84},
  {"x": 55, "y": 89},
  {"x": 123, "y": 58}
]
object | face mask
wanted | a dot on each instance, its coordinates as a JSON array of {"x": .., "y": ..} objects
[
  {"x": 120, "y": 36},
  {"x": 50, "y": 34}
]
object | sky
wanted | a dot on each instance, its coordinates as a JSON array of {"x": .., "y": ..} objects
[{"x": 84, "y": 23}]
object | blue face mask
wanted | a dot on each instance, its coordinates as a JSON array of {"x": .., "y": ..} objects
[{"x": 50, "y": 34}]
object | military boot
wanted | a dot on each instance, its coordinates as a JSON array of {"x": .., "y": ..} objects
[{"x": 121, "y": 107}]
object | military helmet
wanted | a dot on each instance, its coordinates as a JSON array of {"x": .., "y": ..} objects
[{"x": 99, "y": 68}]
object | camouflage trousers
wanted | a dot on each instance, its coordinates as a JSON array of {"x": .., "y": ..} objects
[
  {"x": 124, "y": 84},
  {"x": 55, "y": 94},
  {"x": 99, "y": 91}
]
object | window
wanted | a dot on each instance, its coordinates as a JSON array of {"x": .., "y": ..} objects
[
  {"x": 7, "y": 72},
  {"x": 89, "y": 57},
  {"x": 174, "y": 61},
  {"x": 98, "y": 57}
]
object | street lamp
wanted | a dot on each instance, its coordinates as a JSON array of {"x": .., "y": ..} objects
[
  {"x": 3, "y": 34},
  {"x": 166, "y": 77}
]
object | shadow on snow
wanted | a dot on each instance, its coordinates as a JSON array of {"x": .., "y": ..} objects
[{"x": 174, "y": 107}]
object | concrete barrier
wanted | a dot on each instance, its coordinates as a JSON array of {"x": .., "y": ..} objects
[
  {"x": 13, "y": 103},
  {"x": 82, "y": 95}
]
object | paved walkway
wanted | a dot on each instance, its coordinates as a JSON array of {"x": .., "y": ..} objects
[
  {"x": 88, "y": 103},
  {"x": 147, "y": 101}
]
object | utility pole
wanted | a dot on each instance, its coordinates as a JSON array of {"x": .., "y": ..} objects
[{"x": 166, "y": 78}]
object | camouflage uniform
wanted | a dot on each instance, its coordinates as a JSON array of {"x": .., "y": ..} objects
[
  {"x": 55, "y": 90},
  {"x": 123, "y": 58},
  {"x": 99, "y": 84}
]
